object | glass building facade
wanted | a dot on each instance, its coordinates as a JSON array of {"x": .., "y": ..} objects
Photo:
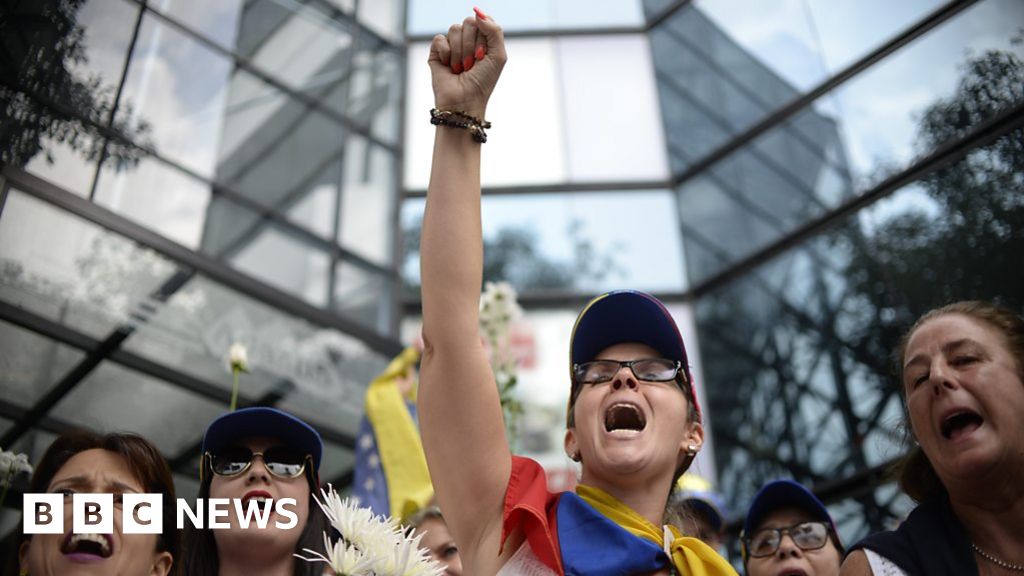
[{"x": 798, "y": 180}]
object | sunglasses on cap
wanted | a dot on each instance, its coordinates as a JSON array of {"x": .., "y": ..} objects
[
  {"x": 279, "y": 461},
  {"x": 806, "y": 535}
]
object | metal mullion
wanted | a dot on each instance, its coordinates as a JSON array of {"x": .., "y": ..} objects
[
  {"x": 202, "y": 263},
  {"x": 563, "y": 188},
  {"x": 117, "y": 98},
  {"x": 788, "y": 110},
  {"x": 397, "y": 191}
]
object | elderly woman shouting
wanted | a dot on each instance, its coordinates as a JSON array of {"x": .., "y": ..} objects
[{"x": 963, "y": 375}]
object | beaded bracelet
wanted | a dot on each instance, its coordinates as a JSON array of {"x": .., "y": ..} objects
[{"x": 459, "y": 119}]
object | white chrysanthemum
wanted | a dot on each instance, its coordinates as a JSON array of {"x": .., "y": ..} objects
[
  {"x": 370, "y": 545},
  {"x": 238, "y": 357},
  {"x": 344, "y": 559},
  {"x": 11, "y": 464}
]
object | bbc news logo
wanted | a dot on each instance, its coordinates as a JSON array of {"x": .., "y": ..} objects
[{"x": 93, "y": 513}]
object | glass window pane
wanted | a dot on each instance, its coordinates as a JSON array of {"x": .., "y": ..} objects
[
  {"x": 585, "y": 242},
  {"x": 218, "y": 21},
  {"x": 363, "y": 295},
  {"x": 87, "y": 63},
  {"x": 612, "y": 122},
  {"x": 110, "y": 397},
  {"x": 368, "y": 200},
  {"x": 434, "y": 16},
  {"x": 31, "y": 364},
  {"x": 383, "y": 17},
  {"x": 525, "y": 110},
  {"x": 178, "y": 87},
  {"x": 159, "y": 197},
  {"x": 286, "y": 262},
  {"x": 275, "y": 149},
  {"x": 70, "y": 271},
  {"x": 288, "y": 357},
  {"x": 804, "y": 42},
  {"x": 373, "y": 91}
]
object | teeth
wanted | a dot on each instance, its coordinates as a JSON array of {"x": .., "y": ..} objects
[{"x": 97, "y": 538}]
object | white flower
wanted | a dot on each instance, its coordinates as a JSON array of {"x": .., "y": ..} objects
[
  {"x": 238, "y": 357},
  {"x": 370, "y": 545},
  {"x": 342, "y": 558},
  {"x": 12, "y": 464}
]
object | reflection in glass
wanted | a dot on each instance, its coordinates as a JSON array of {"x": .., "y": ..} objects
[
  {"x": 159, "y": 197},
  {"x": 363, "y": 295},
  {"x": 286, "y": 262},
  {"x": 217, "y": 21},
  {"x": 59, "y": 86},
  {"x": 113, "y": 397},
  {"x": 367, "y": 201},
  {"x": 71, "y": 271},
  {"x": 798, "y": 350},
  {"x": 179, "y": 85},
  {"x": 31, "y": 364},
  {"x": 433, "y": 16},
  {"x": 582, "y": 242}
]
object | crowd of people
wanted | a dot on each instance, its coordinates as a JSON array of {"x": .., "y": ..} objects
[{"x": 633, "y": 423}]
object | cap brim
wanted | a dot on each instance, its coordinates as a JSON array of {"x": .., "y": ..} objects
[
  {"x": 264, "y": 422},
  {"x": 784, "y": 494}
]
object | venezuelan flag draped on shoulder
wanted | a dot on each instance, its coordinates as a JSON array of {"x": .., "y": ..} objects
[{"x": 391, "y": 476}]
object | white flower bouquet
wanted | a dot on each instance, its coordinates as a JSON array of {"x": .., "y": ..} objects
[{"x": 370, "y": 545}]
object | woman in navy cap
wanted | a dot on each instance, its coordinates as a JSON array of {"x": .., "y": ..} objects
[
  {"x": 633, "y": 420},
  {"x": 259, "y": 455},
  {"x": 789, "y": 531}
]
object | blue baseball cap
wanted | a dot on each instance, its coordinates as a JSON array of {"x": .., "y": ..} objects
[
  {"x": 264, "y": 422},
  {"x": 628, "y": 316},
  {"x": 787, "y": 493}
]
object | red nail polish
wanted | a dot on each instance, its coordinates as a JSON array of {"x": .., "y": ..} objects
[
  {"x": 479, "y": 13},
  {"x": 467, "y": 63},
  {"x": 457, "y": 67},
  {"x": 480, "y": 52}
]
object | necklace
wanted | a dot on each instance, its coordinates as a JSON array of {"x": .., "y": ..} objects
[{"x": 997, "y": 561}]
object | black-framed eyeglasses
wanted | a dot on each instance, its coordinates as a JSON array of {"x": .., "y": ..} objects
[
  {"x": 647, "y": 369},
  {"x": 279, "y": 461},
  {"x": 806, "y": 535}
]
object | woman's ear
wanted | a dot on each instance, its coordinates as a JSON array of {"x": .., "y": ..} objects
[
  {"x": 162, "y": 564},
  {"x": 694, "y": 438},
  {"x": 572, "y": 450}
]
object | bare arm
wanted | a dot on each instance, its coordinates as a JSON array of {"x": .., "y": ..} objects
[
  {"x": 460, "y": 414},
  {"x": 856, "y": 564}
]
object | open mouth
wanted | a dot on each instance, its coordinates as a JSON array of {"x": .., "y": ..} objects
[
  {"x": 88, "y": 546},
  {"x": 261, "y": 498},
  {"x": 960, "y": 423},
  {"x": 793, "y": 572},
  {"x": 624, "y": 416}
]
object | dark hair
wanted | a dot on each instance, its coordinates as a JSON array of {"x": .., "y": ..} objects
[
  {"x": 916, "y": 475},
  {"x": 201, "y": 557},
  {"x": 143, "y": 460}
]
